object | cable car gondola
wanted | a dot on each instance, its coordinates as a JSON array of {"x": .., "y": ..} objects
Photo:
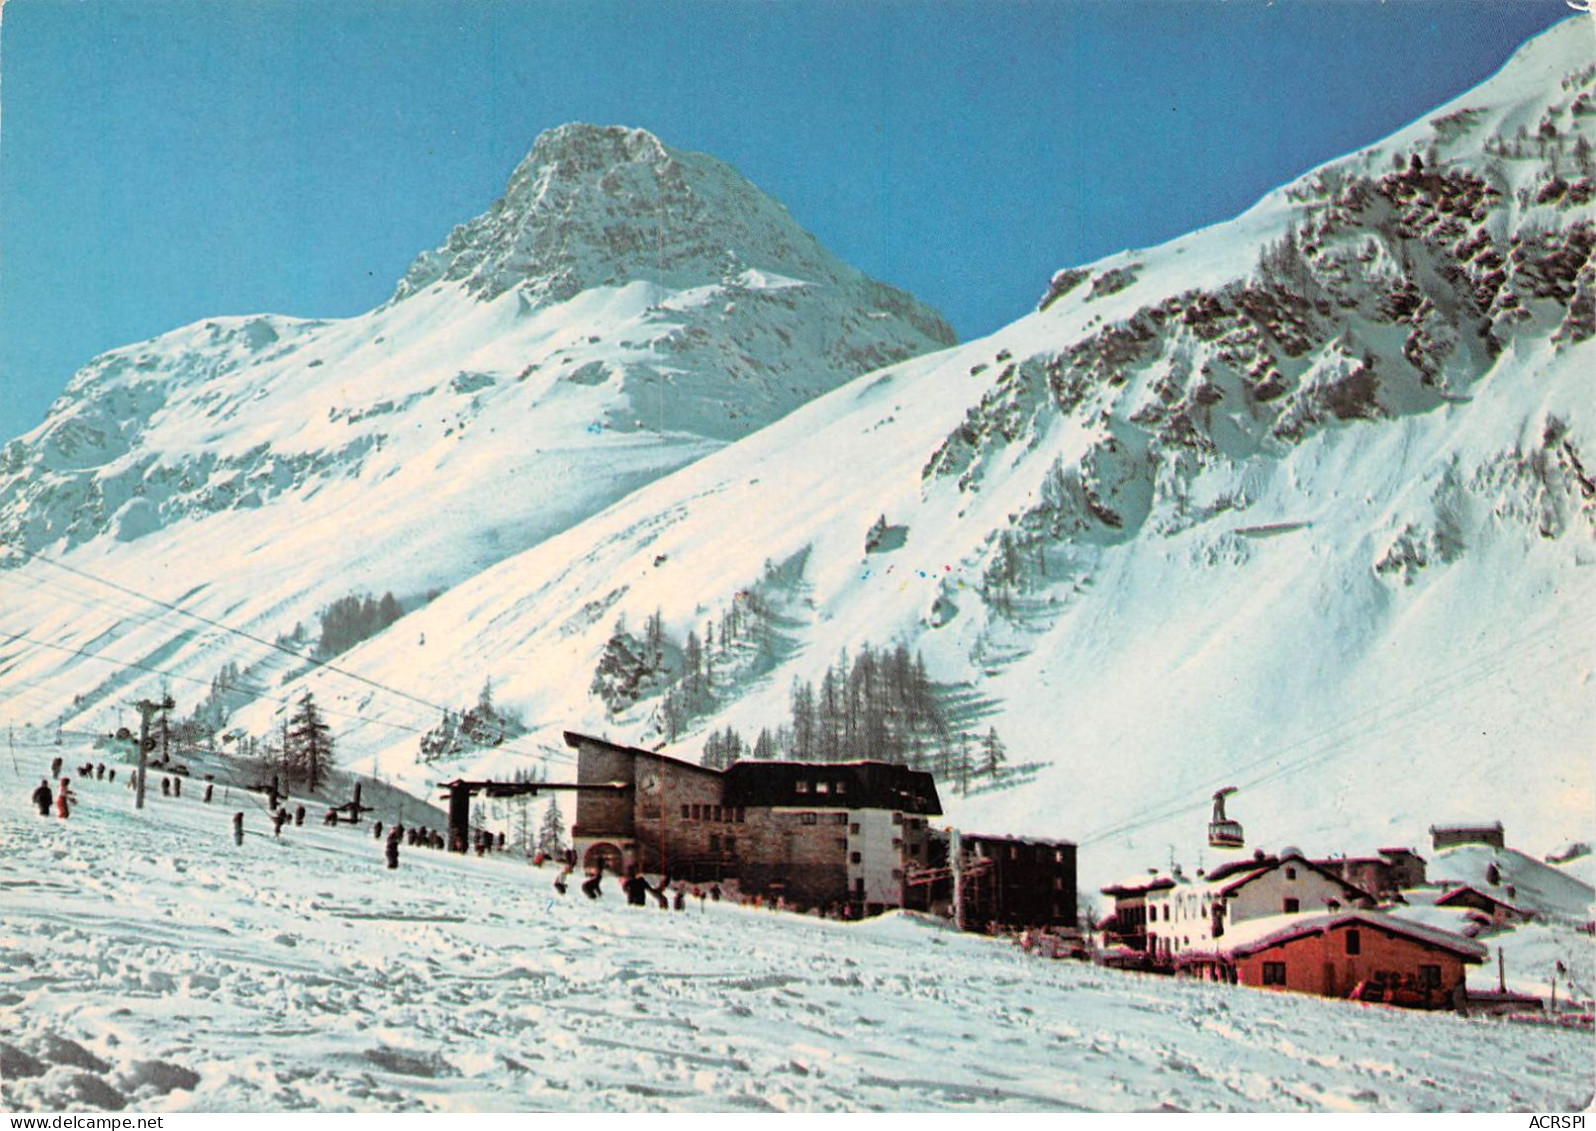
[{"x": 1223, "y": 832}]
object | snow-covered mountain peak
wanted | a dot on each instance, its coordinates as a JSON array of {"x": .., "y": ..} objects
[{"x": 606, "y": 205}]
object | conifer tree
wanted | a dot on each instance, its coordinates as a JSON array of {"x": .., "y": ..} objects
[
  {"x": 551, "y": 837},
  {"x": 307, "y": 745}
]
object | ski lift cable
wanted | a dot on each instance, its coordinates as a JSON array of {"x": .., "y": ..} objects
[
  {"x": 1323, "y": 744},
  {"x": 285, "y": 700},
  {"x": 316, "y": 664}
]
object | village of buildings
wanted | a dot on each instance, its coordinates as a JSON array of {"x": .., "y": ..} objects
[{"x": 856, "y": 839}]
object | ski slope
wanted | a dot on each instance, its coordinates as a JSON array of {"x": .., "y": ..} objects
[{"x": 148, "y": 963}]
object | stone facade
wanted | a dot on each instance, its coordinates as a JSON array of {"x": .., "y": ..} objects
[{"x": 830, "y": 835}]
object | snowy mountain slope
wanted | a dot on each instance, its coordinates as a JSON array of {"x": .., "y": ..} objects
[
  {"x": 1299, "y": 503},
  {"x": 151, "y": 965},
  {"x": 1542, "y": 889},
  {"x": 623, "y": 310}
]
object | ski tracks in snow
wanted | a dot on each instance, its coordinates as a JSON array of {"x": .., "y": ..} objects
[{"x": 146, "y": 962}]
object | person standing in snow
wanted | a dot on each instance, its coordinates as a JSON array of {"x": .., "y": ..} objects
[
  {"x": 42, "y": 797},
  {"x": 590, "y": 886},
  {"x": 392, "y": 849},
  {"x": 679, "y": 900},
  {"x": 65, "y": 799},
  {"x": 166, "y": 786},
  {"x": 299, "y": 815},
  {"x": 55, "y": 767},
  {"x": 238, "y": 829},
  {"x": 177, "y": 787},
  {"x": 209, "y": 787},
  {"x": 279, "y": 819},
  {"x": 376, "y": 831},
  {"x": 636, "y": 889}
]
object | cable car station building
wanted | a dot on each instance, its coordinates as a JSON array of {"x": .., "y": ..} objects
[{"x": 815, "y": 834}]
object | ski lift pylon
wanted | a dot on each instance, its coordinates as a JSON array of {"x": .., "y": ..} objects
[{"x": 1222, "y": 831}]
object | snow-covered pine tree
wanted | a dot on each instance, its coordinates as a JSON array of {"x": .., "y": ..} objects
[{"x": 551, "y": 836}]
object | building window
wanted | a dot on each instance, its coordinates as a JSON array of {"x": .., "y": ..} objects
[
  {"x": 842, "y": 842},
  {"x": 714, "y": 842},
  {"x": 1429, "y": 977},
  {"x": 1274, "y": 973},
  {"x": 897, "y": 842},
  {"x": 853, "y": 829},
  {"x": 854, "y": 858},
  {"x": 839, "y": 818},
  {"x": 1354, "y": 943},
  {"x": 717, "y": 812},
  {"x": 822, "y": 787},
  {"x": 842, "y": 787},
  {"x": 802, "y": 787},
  {"x": 731, "y": 844},
  {"x": 914, "y": 850},
  {"x": 809, "y": 818},
  {"x": 739, "y": 816},
  {"x": 897, "y": 873},
  {"x": 686, "y": 810},
  {"x": 1291, "y": 873},
  {"x": 897, "y": 818},
  {"x": 698, "y": 812},
  {"x": 1292, "y": 906}
]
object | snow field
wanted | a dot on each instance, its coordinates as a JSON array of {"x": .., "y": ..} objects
[{"x": 148, "y": 962}]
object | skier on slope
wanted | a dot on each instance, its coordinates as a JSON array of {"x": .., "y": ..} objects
[
  {"x": 560, "y": 880},
  {"x": 65, "y": 799},
  {"x": 590, "y": 886},
  {"x": 42, "y": 797}
]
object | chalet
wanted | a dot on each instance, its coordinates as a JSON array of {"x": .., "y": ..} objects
[
  {"x": 1390, "y": 871},
  {"x": 1006, "y": 882},
  {"x": 1187, "y": 914},
  {"x": 1364, "y": 954},
  {"x": 1488, "y": 910},
  {"x": 1450, "y": 836},
  {"x": 817, "y": 835},
  {"x": 1127, "y": 927}
]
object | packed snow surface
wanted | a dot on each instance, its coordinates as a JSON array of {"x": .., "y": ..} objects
[{"x": 150, "y": 963}]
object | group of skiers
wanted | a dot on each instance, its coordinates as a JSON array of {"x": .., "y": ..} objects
[
  {"x": 63, "y": 801},
  {"x": 635, "y": 886}
]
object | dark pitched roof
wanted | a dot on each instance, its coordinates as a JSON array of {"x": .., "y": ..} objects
[{"x": 832, "y": 785}]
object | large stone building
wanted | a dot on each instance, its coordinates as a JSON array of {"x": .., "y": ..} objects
[{"x": 844, "y": 834}]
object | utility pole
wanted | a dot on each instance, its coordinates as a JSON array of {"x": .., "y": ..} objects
[
  {"x": 145, "y": 710},
  {"x": 955, "y": 863}
]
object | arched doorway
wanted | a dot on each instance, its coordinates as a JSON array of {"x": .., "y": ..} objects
[{"x": 605, "y": 855}]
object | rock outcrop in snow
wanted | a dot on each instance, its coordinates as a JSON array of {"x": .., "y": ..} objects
[{"x": 1300, "y": 503}]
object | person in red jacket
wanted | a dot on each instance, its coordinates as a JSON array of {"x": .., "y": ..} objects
[{"x": 65, "y": 799}]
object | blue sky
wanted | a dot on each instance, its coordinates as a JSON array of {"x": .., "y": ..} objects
[{"x": 163, "y": 161}]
